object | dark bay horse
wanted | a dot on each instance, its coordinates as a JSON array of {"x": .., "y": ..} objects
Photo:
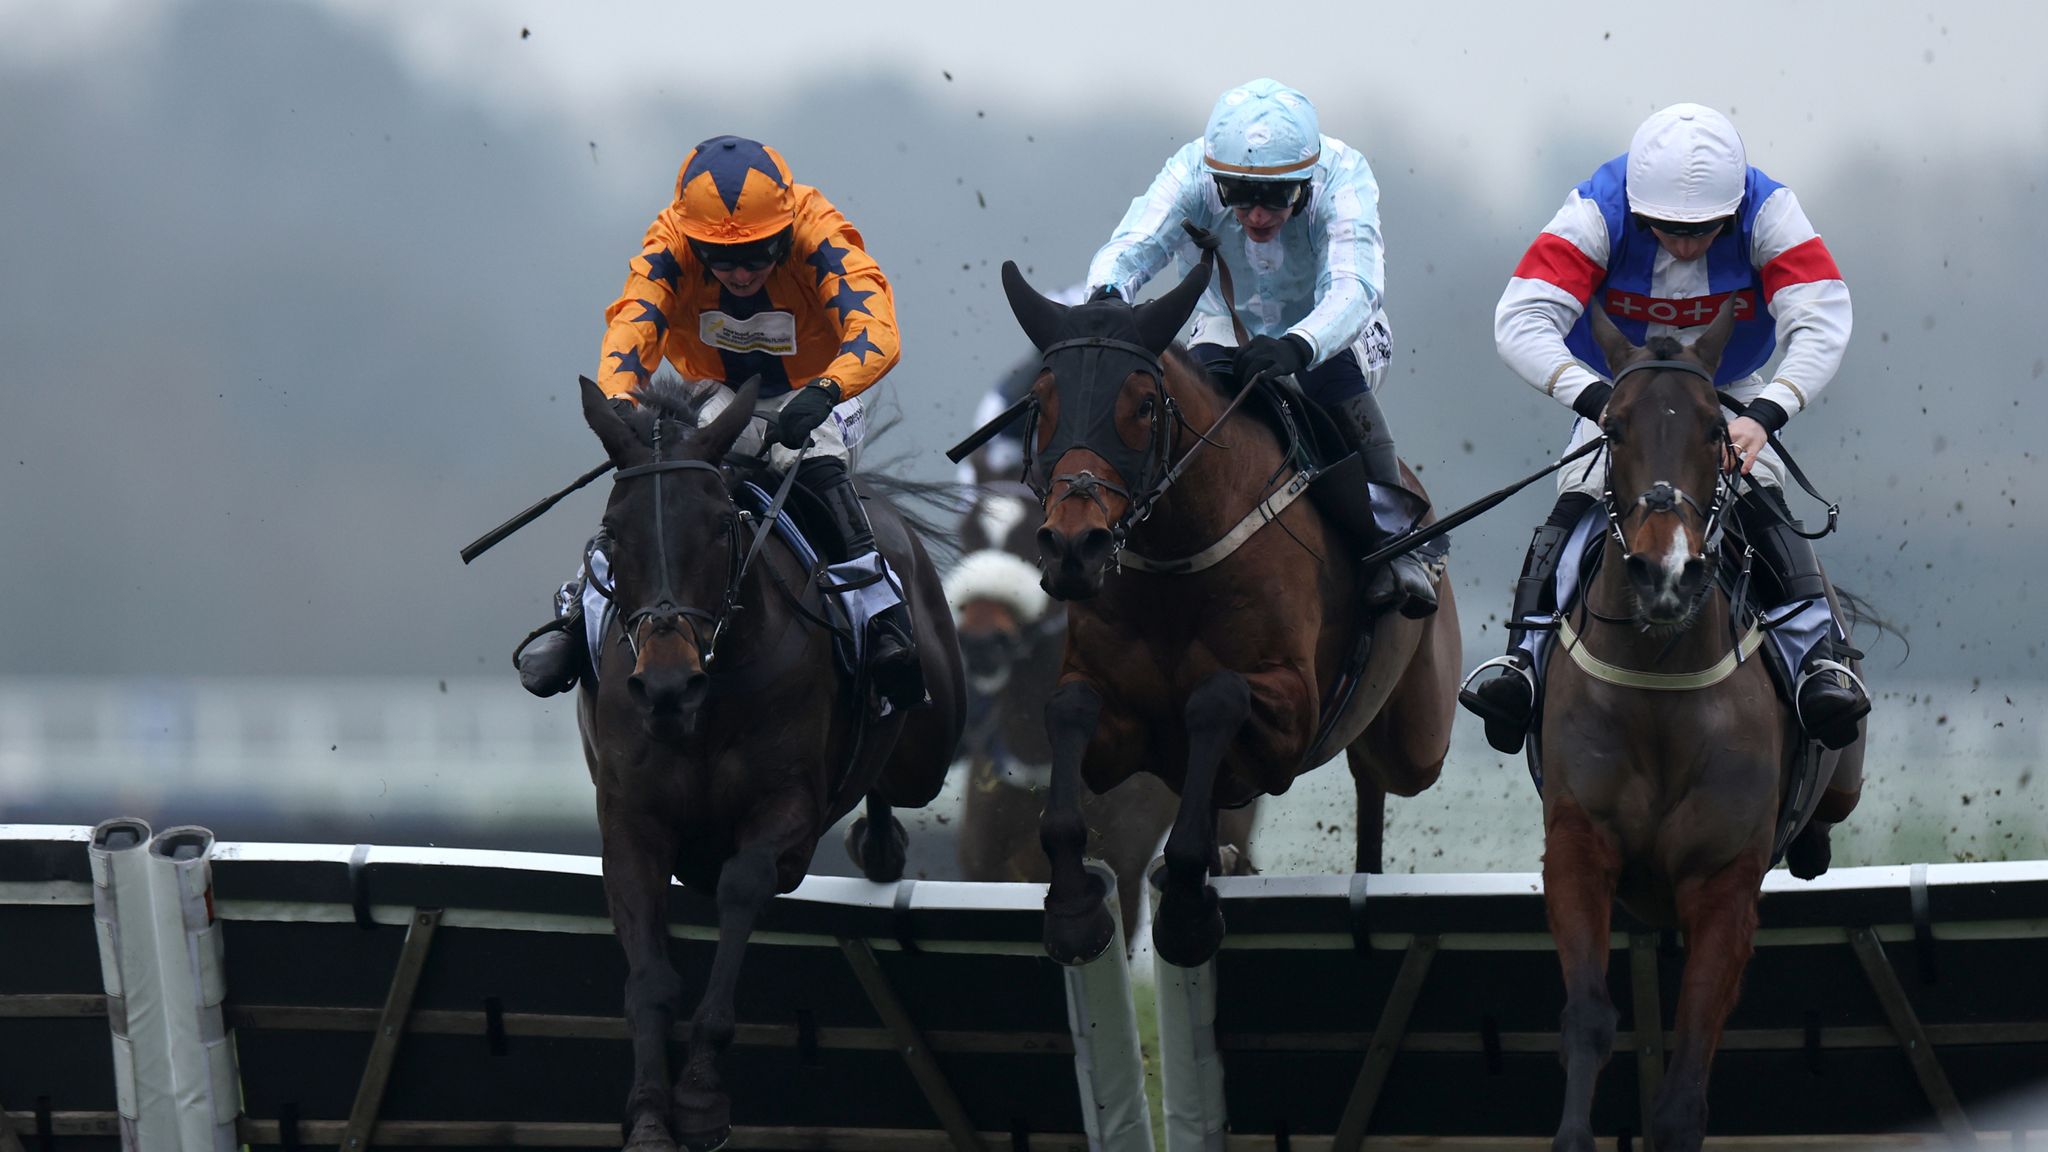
[
  {"x": 1213, "y": 680},
  {"x": 1666, "y": 798},
  {"x": 1012, "y": 638},
  {"x": 719, "y": 736}
]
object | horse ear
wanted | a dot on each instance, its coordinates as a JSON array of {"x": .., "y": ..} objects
[
  {"x": 1616, "y": 347},
  {"x": 716, "y": 439},
  {"x": 618, "y": 439},
  {"x": 1039, "y": 316},
  {"x": 1159, "y": 319},
  {"x": 1714, "y": 340}
]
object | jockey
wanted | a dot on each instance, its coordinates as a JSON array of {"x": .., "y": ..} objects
[
  {"x": 1661, "y": 237},
  {"x": 748, "y": 273},
  {"x": 1298, "y": 215}
]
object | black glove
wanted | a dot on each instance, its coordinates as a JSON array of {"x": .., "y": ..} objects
[
  {"x": 1592, "y": 399},
  {"x": 1283, "y": 356},
  {"x": 1105, "y": 292},
  {"x": 804, "y": 412}
]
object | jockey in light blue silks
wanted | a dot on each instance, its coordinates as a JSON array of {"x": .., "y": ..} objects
[
  {"x": 1297, "y": 214},
  {"x": 1661, "y": 237}
]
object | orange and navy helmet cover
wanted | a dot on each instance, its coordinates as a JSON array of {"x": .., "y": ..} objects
[{"x": 734, "y": 191}]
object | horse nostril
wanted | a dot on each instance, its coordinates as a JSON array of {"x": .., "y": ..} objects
[
  {"x": 1694, "y": 573},
  {"x": 1050, "y": 545},
  {"x": 1639, "y": 572},
  {"x": 1094, "y": 546}
]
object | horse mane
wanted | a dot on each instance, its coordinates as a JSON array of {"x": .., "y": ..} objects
[{"x": 666, "y": 397}]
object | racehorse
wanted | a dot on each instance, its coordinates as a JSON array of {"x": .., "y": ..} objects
[
  {"x": 719, "y": 735},
  {"x": 1667, "y": 798},
  {"x": 1012, "y": 644},
  {"x": 1215, "y": 680}
]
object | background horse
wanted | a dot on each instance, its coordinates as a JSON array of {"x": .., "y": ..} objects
[
  {"x": 1667, "y": 800},
  {"x": 1213, "y": 680},
  {"x": 1012, "y": 642},
  {"x": 720, "y": 736}
]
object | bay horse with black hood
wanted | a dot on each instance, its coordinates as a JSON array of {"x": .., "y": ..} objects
[
  {"x": 1216, "y": 679},
  {"x": 720, "y": 737}
]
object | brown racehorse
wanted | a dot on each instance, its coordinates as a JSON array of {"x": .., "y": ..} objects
[
  {"x": 1012, "y": 645},
  {"x": 1213, "y": 680},
  {"x": 1667, "y": 800},
  {"x": 719, "y": 737}
]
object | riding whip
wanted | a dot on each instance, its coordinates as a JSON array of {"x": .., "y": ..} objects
[{"x": 489, "y": 540}]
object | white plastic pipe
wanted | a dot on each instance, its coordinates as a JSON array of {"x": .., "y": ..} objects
[
  {"x": 1190, "y": 1068},
  {"x": 176, "y": 1083},
  {"x": 1108, "y": 1064},
  {"x": 120, "y": 909}
]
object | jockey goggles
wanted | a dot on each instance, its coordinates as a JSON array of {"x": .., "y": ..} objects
[
  {"x": 752, "y": 256},
  {"x": 1681, "y": 227},
  {"x": 1278, "y": 195}
]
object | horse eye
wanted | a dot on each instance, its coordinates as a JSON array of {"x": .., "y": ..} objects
[{"x": 1145, "y": 407}]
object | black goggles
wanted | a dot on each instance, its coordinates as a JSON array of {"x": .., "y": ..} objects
[
  {"x": 1682, "y": 227},
  {"x": 752, "y": 256},
  {"x": 1274, "y": 194}
]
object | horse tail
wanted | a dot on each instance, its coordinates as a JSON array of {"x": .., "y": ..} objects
[
  {"x": 1860, "y": 612},
  {"x": 929, "y": 507}
]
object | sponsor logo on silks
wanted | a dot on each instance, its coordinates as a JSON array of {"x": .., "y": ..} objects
[
  {"x": 852, "y": 418},
  {"x": 770, "y": 332},
  {"x": 1379, "y": 346},
  {"x": 1688, "y": 313}
]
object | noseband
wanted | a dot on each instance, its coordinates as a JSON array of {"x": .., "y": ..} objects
[{"x": 1663, "y": 496}]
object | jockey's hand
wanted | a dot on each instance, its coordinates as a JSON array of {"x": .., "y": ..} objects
[
  {"x": 1105, "y": 292},
  {"x": 1271, "y": 357},
  {"x": 805, "y": 411},
  {"x": 1749, "y": 439}
]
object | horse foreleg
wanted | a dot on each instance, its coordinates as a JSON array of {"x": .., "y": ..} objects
[
  {"x": 1189, "y": 927},
  {"x": 637, "y": 862},
  {"x": 703, "y": 1108},
  {"x": 1580, "y": 866},
  {"x": 1718, "y": 913},
  {"x": 1078, "y": 925},
  {"x": 1372, "y": 810}
]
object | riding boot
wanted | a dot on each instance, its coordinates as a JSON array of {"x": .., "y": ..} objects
[
  {"x": 892, "y": 639},
  {"x": 1404, "y": 581},
  {"x": 550, "y": 659},
  {"x": 1508, "y": 702},
  {"x": 1827, "y": 696}
]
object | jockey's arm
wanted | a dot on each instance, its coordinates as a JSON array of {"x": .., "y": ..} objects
[
  {"x": 1349, "y": 285},
  {"x": 1809, "y": 301},
  {"x": 1545, "y": 298},
  {"x": 855, "y": 294},
  {"x": 637, "y": 323},
  {"x": 1150, "y": 231}
]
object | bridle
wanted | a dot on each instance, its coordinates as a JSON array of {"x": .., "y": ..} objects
[
  {"x": 666, "y": 613},
  {"x": 1664, "y": 496}
]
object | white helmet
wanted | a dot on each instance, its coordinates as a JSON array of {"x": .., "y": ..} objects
[
  {"x": 1263, "y": 130},
  {"x": 1687, "y": 165}
]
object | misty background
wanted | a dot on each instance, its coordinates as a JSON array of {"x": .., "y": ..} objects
[{"x": 293, "y": 298}]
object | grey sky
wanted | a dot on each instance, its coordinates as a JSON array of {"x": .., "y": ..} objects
[{"x": 293, "y": 295}]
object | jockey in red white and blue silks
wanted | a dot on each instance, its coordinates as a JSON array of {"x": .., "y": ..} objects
[{"x": 1660, "y": 237}]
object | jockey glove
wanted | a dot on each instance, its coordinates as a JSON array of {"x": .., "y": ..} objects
[
  {"x": 1105, "y": 292},
  {"x": 1273, "y": 357},
  {"x": 805, "y": 411},
  {"x": 1593, "y": 400}
]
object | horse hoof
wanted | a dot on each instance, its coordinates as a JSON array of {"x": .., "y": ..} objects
[
  {"x": 879, "y": 859},
  {"x": 1810, "y": 852},
  {"x": 1573, "y": 1140},
  {"x": 1188, "y": 929},
  {"x": 703, "y": 1119},
  {"x": 649, "y": 1135},
  {"x": 1078, "y": 934},
  {"x": 1234, "y": 862}
]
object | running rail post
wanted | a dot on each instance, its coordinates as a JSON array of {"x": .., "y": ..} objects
[
  {"x": 1190, "y": 1068},
  {"x": 127, "y": 945},
  {"x": 205, "y": 1085},
  {"x": 1108, "y": 1066}
]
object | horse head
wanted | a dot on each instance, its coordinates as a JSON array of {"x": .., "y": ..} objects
[
  {"x": 1101, "y": 430},
  {"x": 1667, "y": 483},
  {"x": 671, "y": 536}
]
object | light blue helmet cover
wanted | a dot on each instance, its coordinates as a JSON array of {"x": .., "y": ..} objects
[{"x": 1262, "y": 130}]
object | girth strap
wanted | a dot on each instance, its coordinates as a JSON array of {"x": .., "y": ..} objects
[{"x": 1621, "y": 677}]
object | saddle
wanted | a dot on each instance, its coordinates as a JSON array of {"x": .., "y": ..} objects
[{"x": 1583, "y": 555}]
